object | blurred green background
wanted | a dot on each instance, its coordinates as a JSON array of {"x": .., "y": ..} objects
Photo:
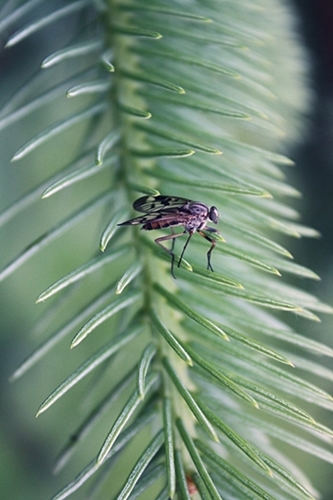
[{"x": 29, "y": 446}]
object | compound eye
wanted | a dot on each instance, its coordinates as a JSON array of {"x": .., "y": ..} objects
[{"x": 214, "y": 215}]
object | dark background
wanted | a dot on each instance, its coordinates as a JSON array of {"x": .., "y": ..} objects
[
  {"x": 314, "y": 177},
  {"x": 315, "y": 155}
]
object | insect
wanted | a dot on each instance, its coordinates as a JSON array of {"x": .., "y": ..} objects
[{"x": 170, "y": 211}]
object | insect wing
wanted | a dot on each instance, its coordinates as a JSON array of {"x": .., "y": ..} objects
[
  {"x": 139, "y": 220},
  {"x": 166, "y": 218},
  {"x": 147, "y": 204}
]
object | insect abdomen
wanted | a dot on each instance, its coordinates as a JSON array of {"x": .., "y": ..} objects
[{"x": 160, "y": 224}]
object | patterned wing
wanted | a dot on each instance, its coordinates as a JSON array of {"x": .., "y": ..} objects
[
  {"x": 147, "y": 204},
  {"x": 140, "y": 220},
  {"x": 158, "y": 220}
]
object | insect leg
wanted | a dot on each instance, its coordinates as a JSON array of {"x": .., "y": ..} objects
[
  {"x": 209, "y": 253},
  {"x": 185, "y": 246},
  {"x": 170, "y": 252},
  {"x": 173, "y": 240}
]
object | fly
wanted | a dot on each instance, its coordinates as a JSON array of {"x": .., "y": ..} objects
[{"x": 169, "y": 211}]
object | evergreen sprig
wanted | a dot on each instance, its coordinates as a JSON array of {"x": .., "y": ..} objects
[{"x": 200, "y": 392}]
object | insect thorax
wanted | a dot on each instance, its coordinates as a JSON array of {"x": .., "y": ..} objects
[{"x": 197, "y": 216}]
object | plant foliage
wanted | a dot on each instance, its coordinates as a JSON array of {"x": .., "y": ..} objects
[{"x": 201, "y": 380}]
